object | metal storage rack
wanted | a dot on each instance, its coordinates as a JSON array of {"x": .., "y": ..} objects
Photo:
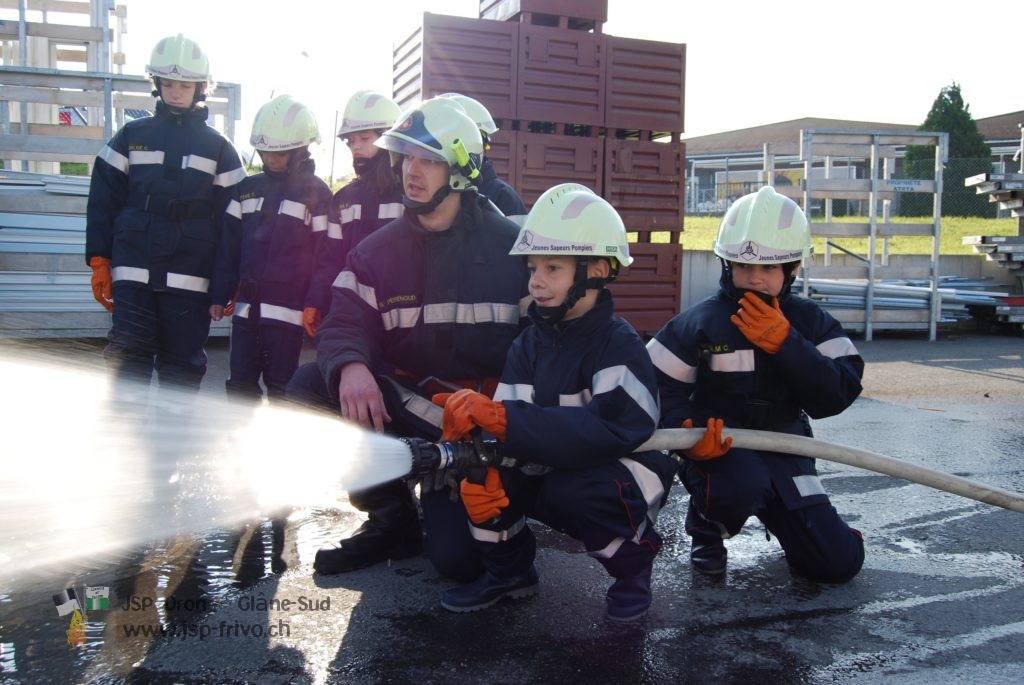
[
  {"x": 879, "y": 190},
  {"x": 44, "y": 282}
]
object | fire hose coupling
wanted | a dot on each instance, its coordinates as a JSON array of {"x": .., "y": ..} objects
[{"x": 429, "y": 457}]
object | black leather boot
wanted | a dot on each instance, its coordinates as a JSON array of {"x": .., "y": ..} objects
[
  {"x": 392, "y": 531},
  {"x": 707, "y": 550},
  {"x": 488, "y": 590},
  {"x": 708, "y": 555}
]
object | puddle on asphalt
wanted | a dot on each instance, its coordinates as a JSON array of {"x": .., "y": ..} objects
[{"x": 151, "y": 596}]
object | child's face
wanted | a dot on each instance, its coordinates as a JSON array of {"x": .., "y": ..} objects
[
  {"x": 276, "y": 161},
  {"x": 361, "y": 144},
  {"x": 551, "y": 276},
  {"x": 423, "y": 177},
  {"x": 762, "y": 278},
  {"x": 177, "y": 93}
]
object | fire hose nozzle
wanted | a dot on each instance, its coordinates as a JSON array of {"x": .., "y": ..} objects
[{"x": 430, "y": 457}]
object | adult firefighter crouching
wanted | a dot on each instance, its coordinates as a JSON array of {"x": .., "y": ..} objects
[
  {"x": 429, "y": 302},
  {"x": 156, "y": 202}
]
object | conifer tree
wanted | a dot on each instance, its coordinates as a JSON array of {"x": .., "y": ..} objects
[{"x": 968, "y": 155}]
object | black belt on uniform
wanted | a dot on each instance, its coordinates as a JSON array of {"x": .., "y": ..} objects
[
  {"x": 172, "y": 207},
  {"x": 432, "y": 385}
]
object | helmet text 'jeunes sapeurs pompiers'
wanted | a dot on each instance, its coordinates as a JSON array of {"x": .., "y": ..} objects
[
  {"x": 284, "y": 123},
  {"x": 763, "y": 228},
  {"x": 571, "y": 220},
  {"x": 368, "y": 110},
  {"x": 180, "y": 59}
]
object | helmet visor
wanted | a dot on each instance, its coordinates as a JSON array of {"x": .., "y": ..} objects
[{"x": 400, "y": 145}]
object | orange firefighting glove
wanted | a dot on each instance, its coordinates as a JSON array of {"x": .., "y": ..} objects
[
  {"x": 762, "y": 324},
  {"x": 311, "y": 320},
  {"x": 484, "y": 502},
  {"x": 711, "y": 445},
  {"x": 229, "y": 308},
  {"x": 102, "y": 283},
  {"x": 441, "y": 400},
  {"x": 466, "y": 409}
]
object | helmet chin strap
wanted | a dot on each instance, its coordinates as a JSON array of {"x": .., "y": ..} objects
[
  {"x": 580, "y": 285},
  {"x": 430, "y": 205}
]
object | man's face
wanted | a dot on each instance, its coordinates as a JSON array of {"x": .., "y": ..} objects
[
  {"x": 423, "y": 177},
  {"x": 177, "y": 93}
]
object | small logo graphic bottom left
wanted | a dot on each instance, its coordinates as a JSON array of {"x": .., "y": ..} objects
[{"x": 96, "y": 599}]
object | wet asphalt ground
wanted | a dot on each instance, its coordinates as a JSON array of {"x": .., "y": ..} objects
[{"x": 940, "y": 598}]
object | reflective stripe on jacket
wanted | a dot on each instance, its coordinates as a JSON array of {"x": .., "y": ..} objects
[
  {"x": 446, "y": 304},
  {"x": 581, "y": 394},
  {"x": 157, "y": 197},
  {"x": 275, "y": 233}
]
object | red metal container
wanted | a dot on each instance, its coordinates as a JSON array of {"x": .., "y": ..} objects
[
  {"x": 561, "y": 76},
  {"x": 503, "y": 148},
  {"x": 644, "y": 181},
  {"x": 578, "y": 14},
  {"x": 645, "y": 85},
  {"x": 543, "y": 160},
  {"x": 475, "y": 57},
  {"x": 647, "y": 293}
]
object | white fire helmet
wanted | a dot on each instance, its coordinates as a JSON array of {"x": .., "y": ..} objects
[
  {"x": 570, "y": 219},
  {"x": 476, "y": 111},
  {"x": 763, "y": 228},
  {"x": 284, "y": 123},
  {"x": 368, "y": 110},
  {"x": 438, "y": 129},
  {"x": 179, "y": 59}
]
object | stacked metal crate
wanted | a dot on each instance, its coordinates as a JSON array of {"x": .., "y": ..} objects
[{"x": 573, "y": 104}]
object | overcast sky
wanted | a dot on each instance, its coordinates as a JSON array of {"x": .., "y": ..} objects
[{"x": 748, "y": 63}]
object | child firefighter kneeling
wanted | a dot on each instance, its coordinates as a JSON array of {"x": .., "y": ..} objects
[
  {"x": 756, "y": 356},
  {"x": 577, "y": 396}
]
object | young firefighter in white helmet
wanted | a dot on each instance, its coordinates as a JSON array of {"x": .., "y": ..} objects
[
  {"x": 429, "y": 302},
  {"x": 375, "y": 196},
  {"x": 578, "y": 395},
  {"x": 756, "y": 356},
  {"x": 275, "y": 234},
  {"x": 488, "y": 184},
  {"x": 156, "y": 203}
]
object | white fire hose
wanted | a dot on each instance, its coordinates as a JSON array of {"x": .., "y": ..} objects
[{"x": 682, "y": 438}]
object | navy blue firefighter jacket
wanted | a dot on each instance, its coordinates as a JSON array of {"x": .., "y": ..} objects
[
  {"x": 446, "y": 304},
  {"x": 580, "y": 393},
  {"x": 707, "y": 368},
  {"x": 361, "y": 211},
  {"x": 498, "y": 191},
  {"x": 275, "y": 234},
  {"x": 157, "y": 198}
]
